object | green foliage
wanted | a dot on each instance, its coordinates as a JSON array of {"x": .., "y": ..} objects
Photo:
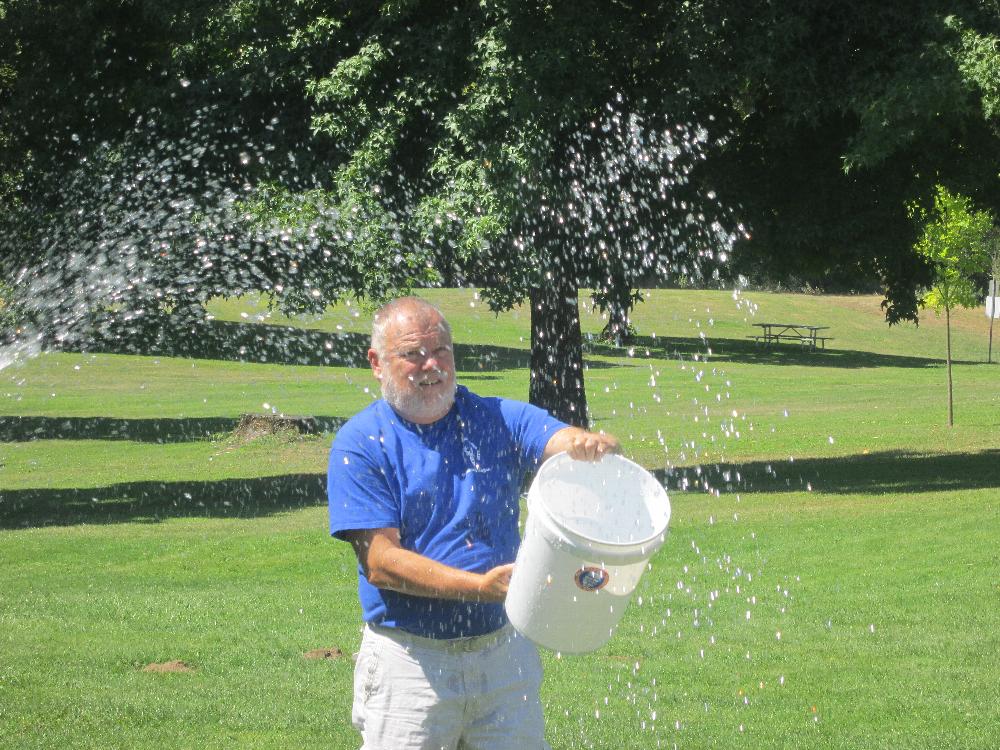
[
  {"x": 844, "y": 116},
  {"x": 152, "y": 141},
  {"x": 467, "y": 125},
  {"x": 333, "y": 248},
  {"x": 11, "y": 314},
  {"x": 908, "y": 102},
  {"x": 410, "y": 145},
  {"x": 448, "y": 140},
  {"x": 979, "y": 63},
  {"x": 953, "y": 242}
]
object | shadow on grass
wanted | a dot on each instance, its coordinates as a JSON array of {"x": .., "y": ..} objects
[
  {"x": 750, "y": 352},
  {"x": 889, "y": 472},
  {"x": 286, "y": 345},
  {"x": 14, "y": 429},
  {"x": 236, "y": 342},
  {"x": 152, "y": 502}
]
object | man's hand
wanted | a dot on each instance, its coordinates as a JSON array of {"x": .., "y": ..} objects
[
  {"x": 495, "y": 583},
  {"x": 591, "y": 446},
  {"x": 581, "y": 444}
]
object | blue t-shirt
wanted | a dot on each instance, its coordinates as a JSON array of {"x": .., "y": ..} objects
[{"x": 452, "y": 489}]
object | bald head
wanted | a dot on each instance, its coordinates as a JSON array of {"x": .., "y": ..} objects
[
  {"x": 405, "y": 312},
  {"x": 411, "y": 357}
]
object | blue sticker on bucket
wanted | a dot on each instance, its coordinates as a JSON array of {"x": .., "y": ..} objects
[{"x": 592, "y": 579}]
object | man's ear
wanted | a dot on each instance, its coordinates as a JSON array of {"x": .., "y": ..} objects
[{"x": 376, "y": 364}]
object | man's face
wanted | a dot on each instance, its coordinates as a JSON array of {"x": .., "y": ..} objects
[{"x": 417, "y": 369}]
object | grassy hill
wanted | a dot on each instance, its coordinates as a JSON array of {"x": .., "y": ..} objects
[{"x": 829, "y": 581}]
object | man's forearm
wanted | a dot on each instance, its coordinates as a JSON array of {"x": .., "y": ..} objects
[
  {"x": 408, "y": 572},
  {"x": 388, "y": 565}
]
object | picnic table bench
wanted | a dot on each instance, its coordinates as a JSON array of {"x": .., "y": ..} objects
[{"x": 803, "y": 334}]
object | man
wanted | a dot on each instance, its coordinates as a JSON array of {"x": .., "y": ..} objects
[{"x": 425, "y": 485}]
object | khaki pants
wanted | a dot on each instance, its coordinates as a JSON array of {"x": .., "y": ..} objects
[{"x": 413, "y": 693}]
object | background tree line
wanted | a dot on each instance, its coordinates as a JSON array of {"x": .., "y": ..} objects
[{"x": 154, "y": 154}]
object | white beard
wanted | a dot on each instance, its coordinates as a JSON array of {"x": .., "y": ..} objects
[{"x": 420, "y": 407}]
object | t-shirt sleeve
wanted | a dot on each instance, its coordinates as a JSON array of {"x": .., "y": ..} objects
[
  {"x": 358, "y": 492},
  {"x": 532, "y": 428}
]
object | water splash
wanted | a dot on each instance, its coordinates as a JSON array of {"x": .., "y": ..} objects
[{"x": 127, "y": 245}]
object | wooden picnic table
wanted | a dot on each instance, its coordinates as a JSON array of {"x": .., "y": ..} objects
[{"x": 801, "y": 333}]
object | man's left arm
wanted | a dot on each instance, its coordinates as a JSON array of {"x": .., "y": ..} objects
[{"x": 581, "y": 444}]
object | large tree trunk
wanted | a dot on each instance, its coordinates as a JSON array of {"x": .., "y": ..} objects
[{"x": 557, "y": 351}]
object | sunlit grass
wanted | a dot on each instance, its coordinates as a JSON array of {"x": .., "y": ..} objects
[{"x": 134, "y": 528}]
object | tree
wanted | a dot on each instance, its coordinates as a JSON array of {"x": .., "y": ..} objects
[
  {"x": 952, "y": 242},
  {"x": 993, "y": 259},
  {"x": 338, "y": 147},
  {"x": 617, "y": 302},
  {"x": 528, "y": 147},
  {"x": 157, "y": 154},
  {"x": 826, "y": 122},
  {"x": 842, "y": 115}
]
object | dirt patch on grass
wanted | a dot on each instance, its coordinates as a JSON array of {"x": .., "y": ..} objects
[
  {"x": 169, "y": 666},
  {"x": 253, "y": 426},
  {"x": 324, "y": 653}
]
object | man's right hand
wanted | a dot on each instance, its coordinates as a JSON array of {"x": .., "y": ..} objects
[{"x": 581, "y": 444}]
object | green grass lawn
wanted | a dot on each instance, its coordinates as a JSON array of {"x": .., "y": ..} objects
[{"x": 830, "y": 579}]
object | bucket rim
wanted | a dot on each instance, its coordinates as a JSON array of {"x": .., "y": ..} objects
[{"x": 658, "y": 537}]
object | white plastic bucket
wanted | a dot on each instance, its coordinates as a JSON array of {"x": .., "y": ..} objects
[{"x": 591, "y": 528}]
